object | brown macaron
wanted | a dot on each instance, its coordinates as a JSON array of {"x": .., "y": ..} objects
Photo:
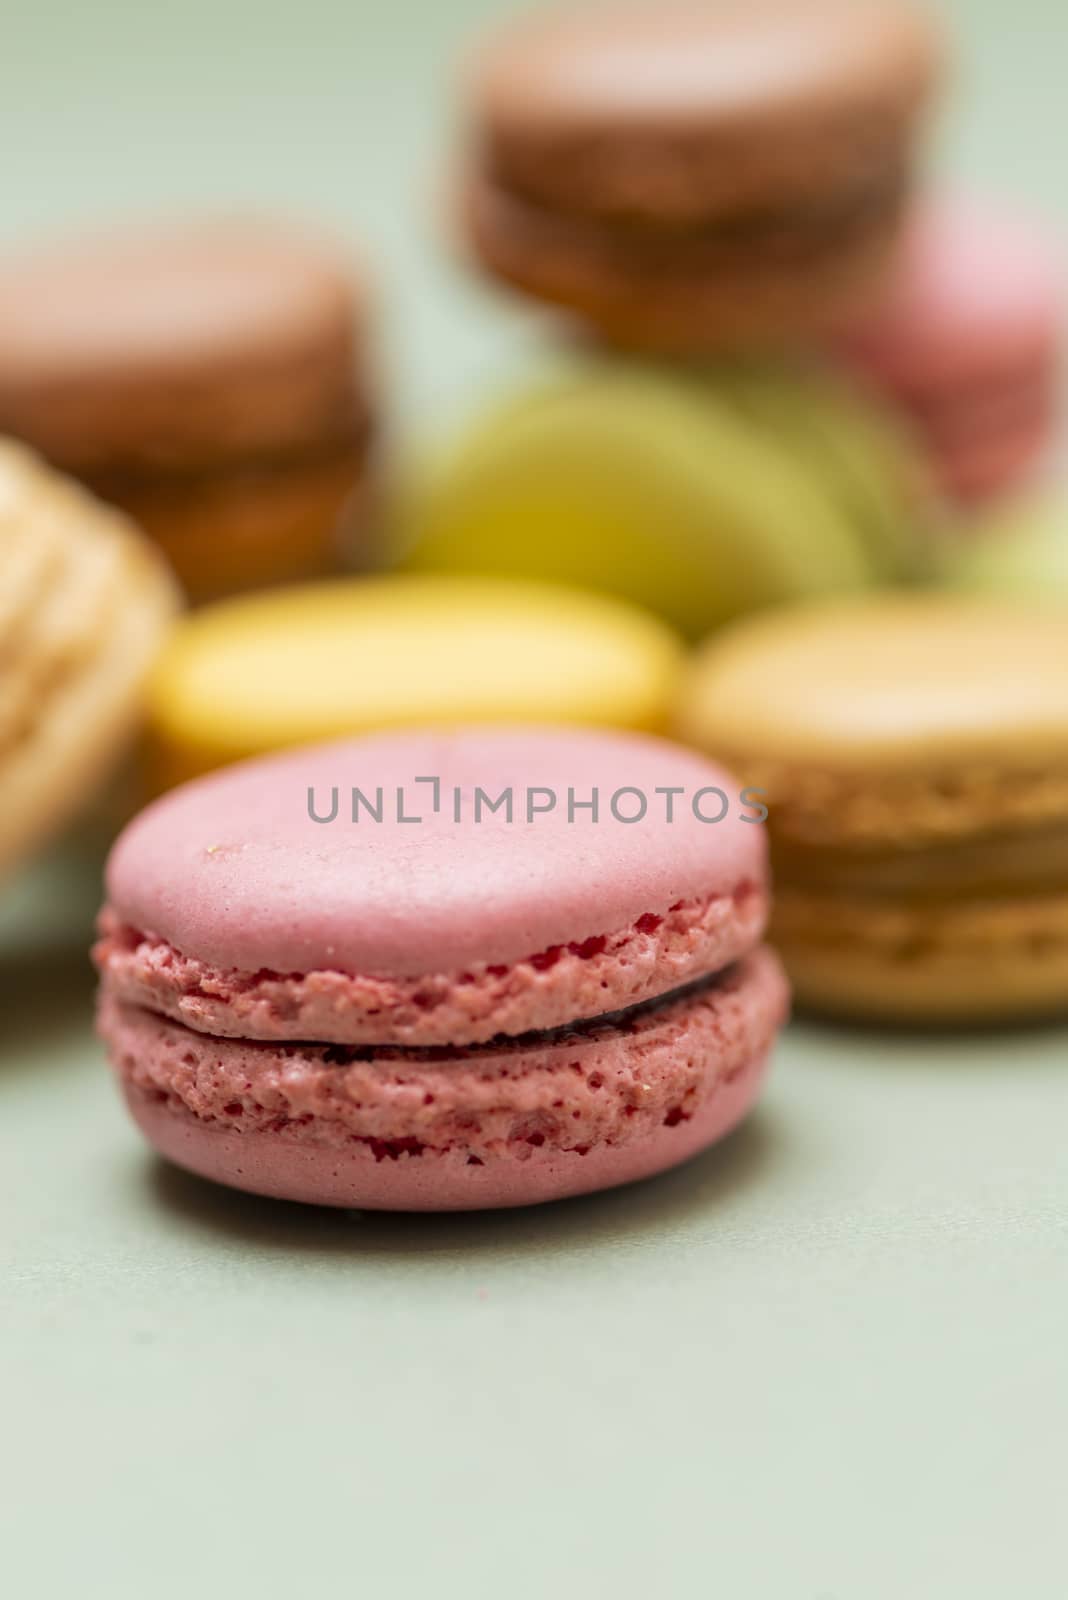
[
  {"x": 206, "y": 377},
  {"x": 694, "y": 177}
]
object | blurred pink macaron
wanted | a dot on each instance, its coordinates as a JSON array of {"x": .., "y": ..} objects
[
  {"x": 358, "y": 975},
  {"x": 967, "y": 342}
]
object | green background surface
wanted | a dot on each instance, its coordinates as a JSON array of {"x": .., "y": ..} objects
[{"x": 825, "y": 1362}]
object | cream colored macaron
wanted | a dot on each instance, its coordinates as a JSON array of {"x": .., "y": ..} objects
[
  {"x": 292, "y": 666},
  {"x": 84, "y": 605},
  {"x": 913, "y": 752}
]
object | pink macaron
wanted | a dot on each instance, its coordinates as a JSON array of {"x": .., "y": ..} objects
[
  {"x": 432, "y": 971},
  {"x": 967, "y": 342}
]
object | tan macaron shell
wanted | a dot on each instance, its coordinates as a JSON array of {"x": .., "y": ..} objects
[
  {"x": 259, "y": 525},
  {"x": 896, "y": 680},
  {"x": 998, "y": 961},
  {"x": 681, "y": 112},
  {"x": 914, "y": 753},
  {"x": 184, "y": 345}
]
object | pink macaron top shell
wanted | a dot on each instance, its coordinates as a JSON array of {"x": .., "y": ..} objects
[
  {"x": 231, "y": 871},
  {"x": 976, "y": 292},
  {"x": 544, "y": 990}
]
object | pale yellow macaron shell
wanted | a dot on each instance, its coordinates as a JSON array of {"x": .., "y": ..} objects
[
  {"x": 918, "y": 683},
  {"x": 319, "y": 661}
]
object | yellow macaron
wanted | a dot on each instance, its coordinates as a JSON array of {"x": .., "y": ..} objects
[
  {"x": 291, "y": 666},
  {"x": 913, "y": 751}
]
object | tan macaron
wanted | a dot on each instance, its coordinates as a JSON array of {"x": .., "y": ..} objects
[
  {"x": 914, "y": 755},
  {"x": 207, "y": 377},
  {"x": 694, "y": 177},
  {"x": 84, "y": 604}
]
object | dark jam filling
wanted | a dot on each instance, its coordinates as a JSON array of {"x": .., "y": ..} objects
[
  {"x": 796, "y": 228},
  {"x": 628, "y": 1020}
]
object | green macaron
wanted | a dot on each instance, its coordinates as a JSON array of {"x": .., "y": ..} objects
[
  {"x": 859, "y": 451},
  {"x": 703, "y": 494},
  {"x": 1021, "y": 549}
]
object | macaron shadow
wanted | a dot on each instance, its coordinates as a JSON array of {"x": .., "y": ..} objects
[{"x": 715, "y": 1179}]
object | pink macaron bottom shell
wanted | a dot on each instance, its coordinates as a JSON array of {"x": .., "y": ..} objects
[
  {"x": 977, "y": 474},
  {"x": 986, "y": 443},
  {"x": 981, "y": 440},
  {"x": 664, "y": 949},
  {"x": 508, "y": 1124},
  {"x": 284, "y": 1170}
]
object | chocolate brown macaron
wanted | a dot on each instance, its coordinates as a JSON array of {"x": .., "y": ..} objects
[
  {"x": 207, "y": 378},
  {"x": 698, "y": 177}
]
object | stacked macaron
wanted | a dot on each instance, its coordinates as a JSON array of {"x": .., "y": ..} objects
[
  {"x": 913, "y": 754},
  {"x": 434, "y": 971},
  {"x": 206, "y": 378},
  {"x": 84, "y": 605},
  {"x": 684, "y": 177},
  {"x": 710, "y": 190}
]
